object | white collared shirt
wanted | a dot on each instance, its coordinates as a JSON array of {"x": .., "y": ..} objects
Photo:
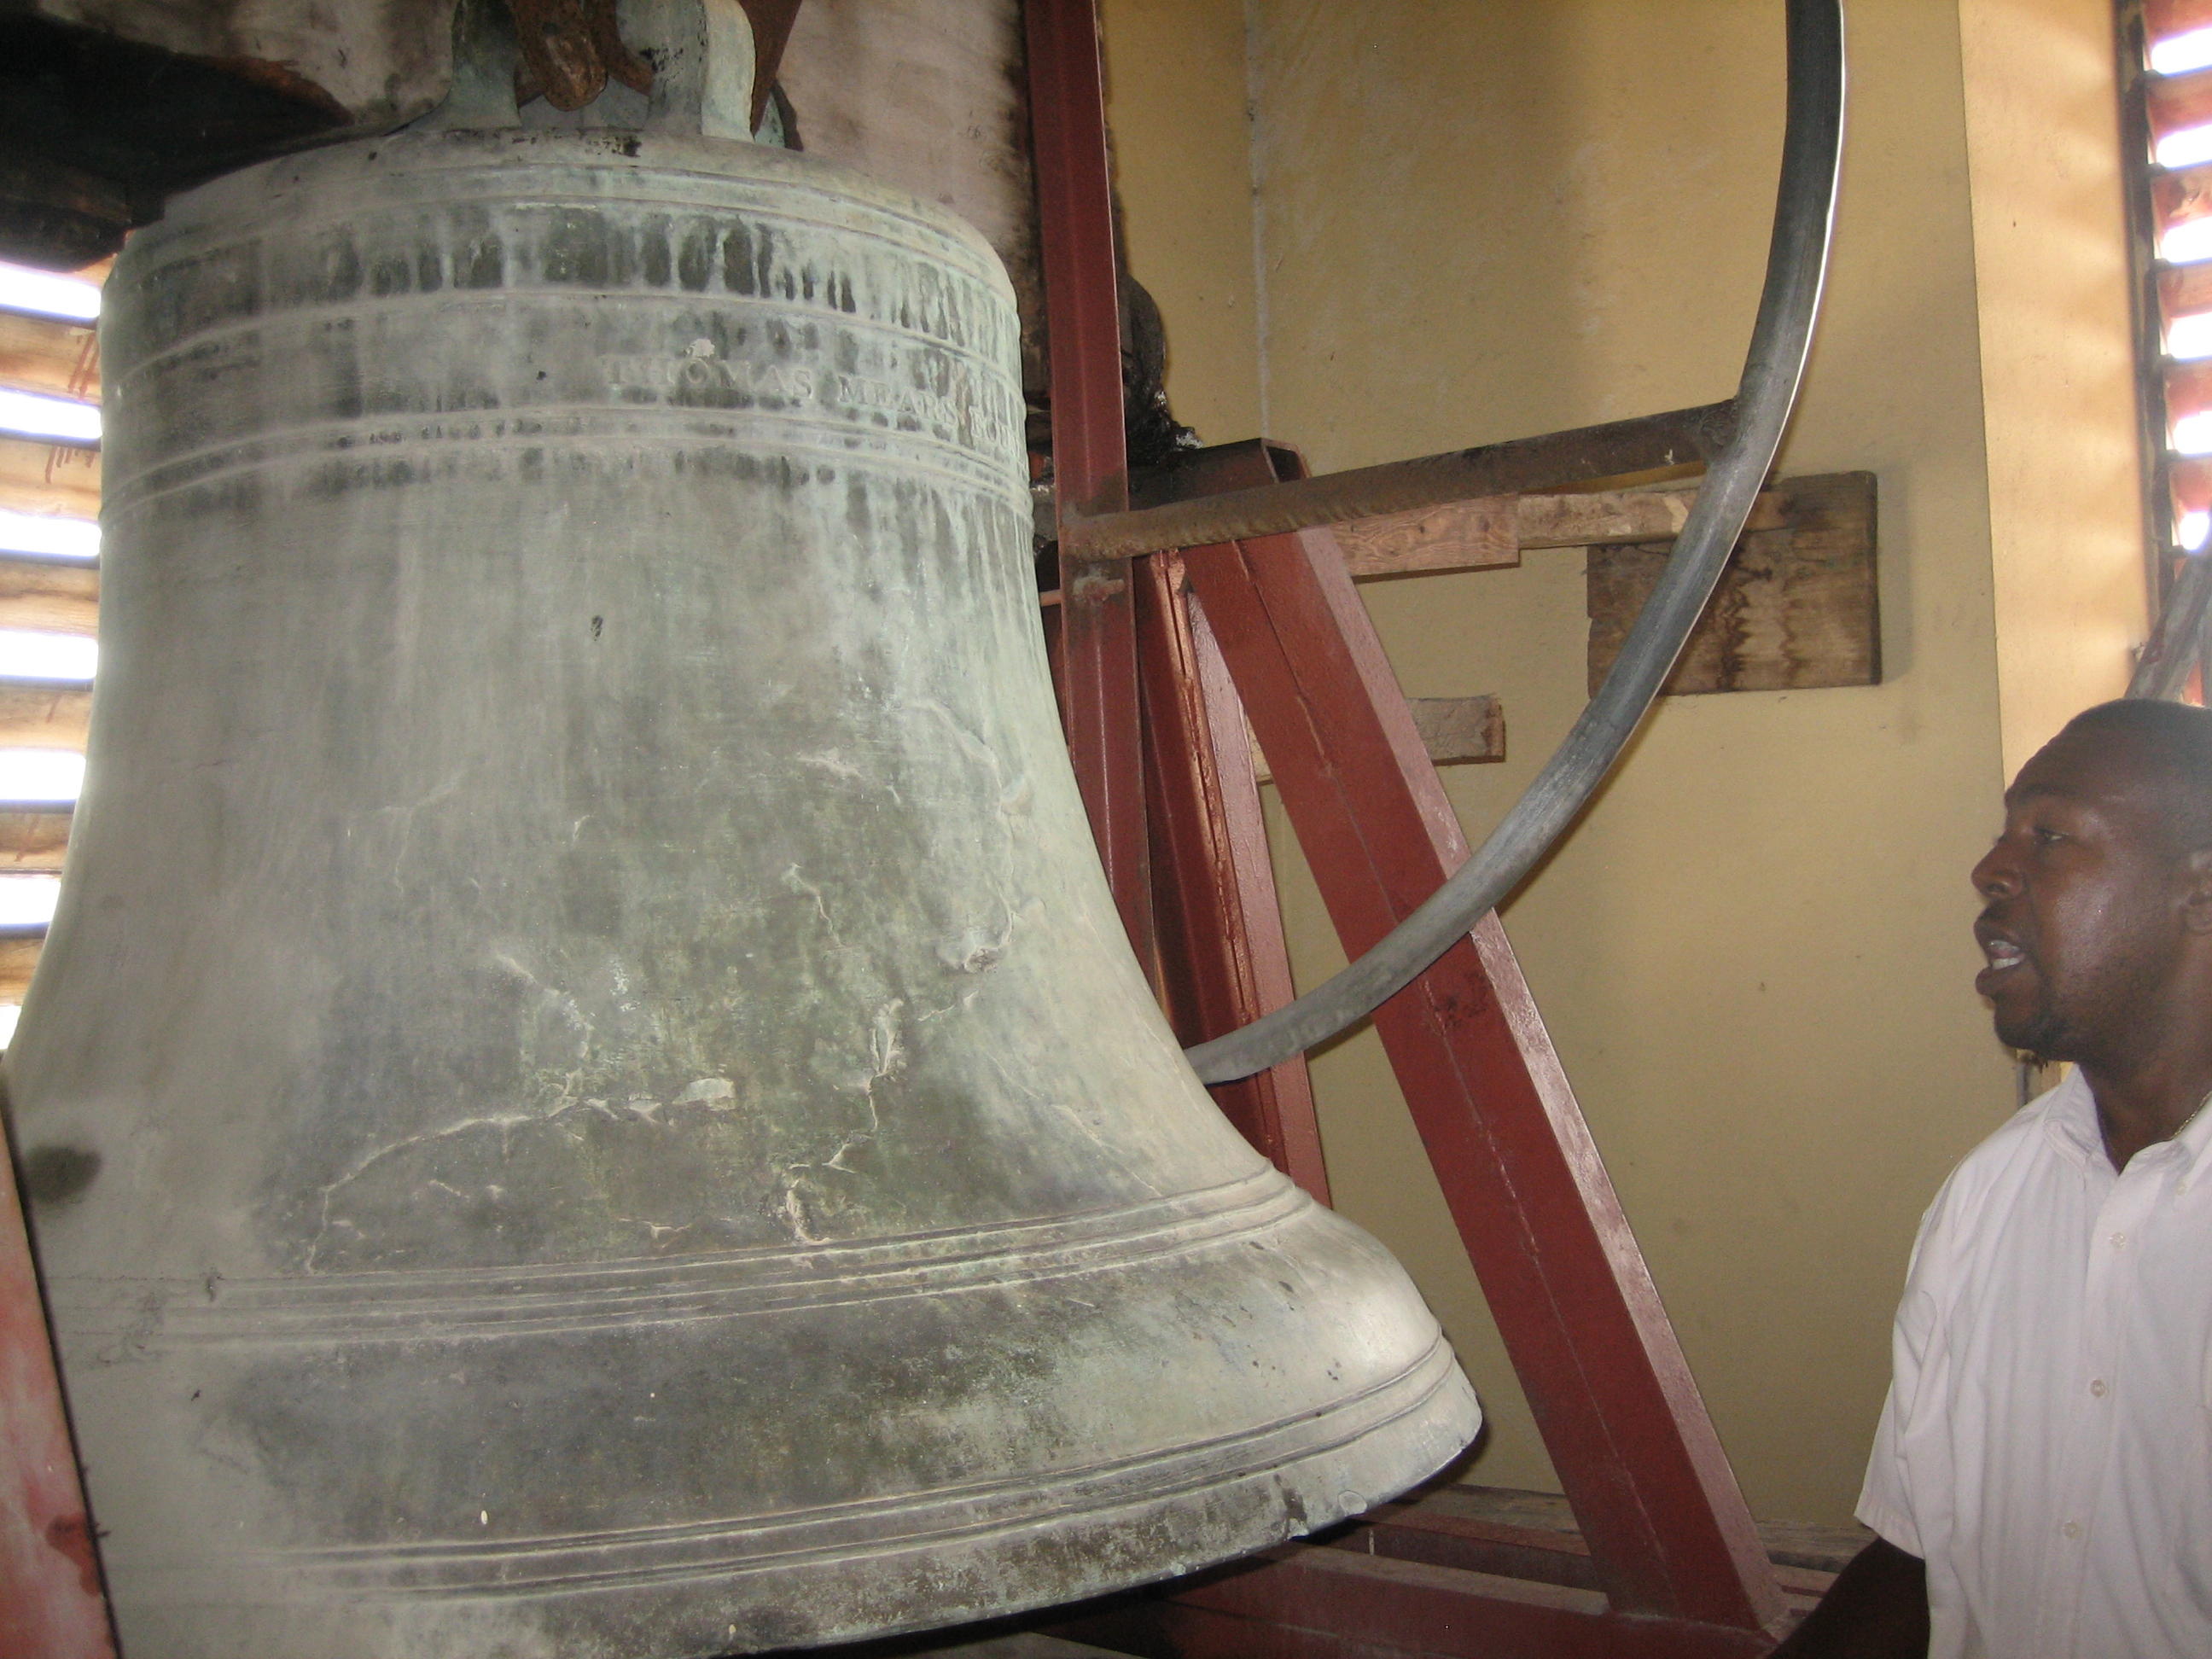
[{"x": 2047, "y": 1442}]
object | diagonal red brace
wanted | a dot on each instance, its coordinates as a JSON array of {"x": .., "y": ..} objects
[{"x": 1604, "y": 1374}]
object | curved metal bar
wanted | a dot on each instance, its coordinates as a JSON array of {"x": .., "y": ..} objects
[{"x": 1797, "y": 264}]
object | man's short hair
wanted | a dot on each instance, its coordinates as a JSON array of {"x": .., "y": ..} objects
[{"x": 2173, "y": 741}]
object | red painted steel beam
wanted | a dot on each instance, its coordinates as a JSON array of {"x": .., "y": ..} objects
[
  {"x": 1223, "y": 959},
  {"x": 1089, "y": 453},
  {"x": 1604, "y": 1374},
  {"x": 51, "y": 1605},
  {"x": 1318, "y": 1597}
]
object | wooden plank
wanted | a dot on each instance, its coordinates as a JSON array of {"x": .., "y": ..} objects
[
  {"x": 1452, "y": 730},
  {"x": 1494, "y": 530},
  {"x": 54, "y": 596},
  {"x": 1573, "y": 1298},
  {"x": 33, "y": 838},
  {"x": 40, "y": 478},
  {"x": 1457, "y": 536},
  {"x": 1554, "y": 461},
  {"x": 2180, "y": 198},
  {"x": 2175, "y": 103},
  {"x": 44, "y": 714},
  {"x": 1631, "y": 515},
  {"x": 1455, "y": 729},
  {"x": 1797, "y": 607},
  {"x": 2185, "y": 290},
  {"x": 19, "y": 955},
  {"x": 46, "y": 354},
  {"x": 2165, "y": 18}
]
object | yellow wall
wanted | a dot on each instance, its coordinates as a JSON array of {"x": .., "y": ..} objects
[
  {"x": 1476, "y": 221},
  {"x": 1175, "y": 76},
  {"x": 2058, "y": 364}
]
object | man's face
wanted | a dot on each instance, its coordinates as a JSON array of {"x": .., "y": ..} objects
[{"x": 2084, "y": 897}]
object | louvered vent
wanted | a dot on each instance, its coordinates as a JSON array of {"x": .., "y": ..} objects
[{"x": 49, "y": 593}]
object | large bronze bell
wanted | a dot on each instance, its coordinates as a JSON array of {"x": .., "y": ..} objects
[{"x": 587, "y": 1097}]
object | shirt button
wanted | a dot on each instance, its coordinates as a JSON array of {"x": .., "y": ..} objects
[
  {"x": 2072, "y": 1529},
  {"x": 2119, "y": 1241},
  {"x": 2097, "y": 1388}
]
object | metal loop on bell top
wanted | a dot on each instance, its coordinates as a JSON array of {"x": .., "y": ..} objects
[{"x": 699, "y": 54}]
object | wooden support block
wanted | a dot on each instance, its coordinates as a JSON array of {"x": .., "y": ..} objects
[
  {"x": 32, "y": 839},
  {"x": 53, "y": 596},
  {"x": 1460, "y": 728},
  {"x": 1451, "y": 729},
  {"x": 45, "y": 353},
  {"x": 43, "y": 713},
  {"x": 1601, "y": 516},
  {"x": 19, "y": 955},
  {"x": 1458, "y": 535},
  {"x": 41, "y": 477},
  {"x": 1797, "y": 607},
  {"x": 1494, "y": 531}
]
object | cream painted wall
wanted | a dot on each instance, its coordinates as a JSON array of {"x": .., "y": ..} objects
[
  {"x": 1175, "y": 81},
  {"x": 1475, "y": 222},
  {"x": 2058, "y": 360}
]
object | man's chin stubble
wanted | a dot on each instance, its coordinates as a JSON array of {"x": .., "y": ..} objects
[{"x": 2038, "y": 1041}]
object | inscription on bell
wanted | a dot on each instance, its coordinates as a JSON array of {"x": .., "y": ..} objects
[
  {"x": 699, "y": 369},
  {"x": 700, "y": 374}
]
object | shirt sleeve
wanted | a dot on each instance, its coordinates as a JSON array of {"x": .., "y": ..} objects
[{"x": 1886, "y": 1501}]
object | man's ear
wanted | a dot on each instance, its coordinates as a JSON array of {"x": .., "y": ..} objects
[{"x": 2196, "y": 898}]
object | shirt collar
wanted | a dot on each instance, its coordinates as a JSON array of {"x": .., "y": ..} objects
[{"x": 2069, "y": 1118}]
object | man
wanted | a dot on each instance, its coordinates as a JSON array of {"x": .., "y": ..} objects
[{"x": 2041, "y": 1482}]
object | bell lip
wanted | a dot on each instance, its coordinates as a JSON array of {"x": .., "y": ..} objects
[{"x": 1407, "y": 1428}]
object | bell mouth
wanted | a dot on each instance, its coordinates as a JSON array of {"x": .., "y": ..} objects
[{"x": 843, "y": 1528}]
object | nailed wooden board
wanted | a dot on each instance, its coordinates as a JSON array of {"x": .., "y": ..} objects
[
  {"x": 1494, "y": 530},
  {"x": 32, "y": 839},
  {"x": 19, "y": 955},
  {"x": 1622, "y": 515},
  {"x": 43, "y": 714},
  {"x": 42, "y": 353},
  {"x": 1796, "y": 608},
  {"x": 1457, "y": 536},
  {"x": 51, "y": 595},
  {"x": 42, "y": 477}
]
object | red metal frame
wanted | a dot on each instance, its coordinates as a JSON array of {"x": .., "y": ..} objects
[
  {"x": 1090, "y": 462},
  {"x": 1612, "y": 1395},
  {"x": 52, "y": 1604},
  {"x": 1220, "y": 930},
  {"x": 1671, "y": 1542}
]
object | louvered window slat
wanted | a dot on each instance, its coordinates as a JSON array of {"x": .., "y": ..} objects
[{"x": 49, "y": 594}]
